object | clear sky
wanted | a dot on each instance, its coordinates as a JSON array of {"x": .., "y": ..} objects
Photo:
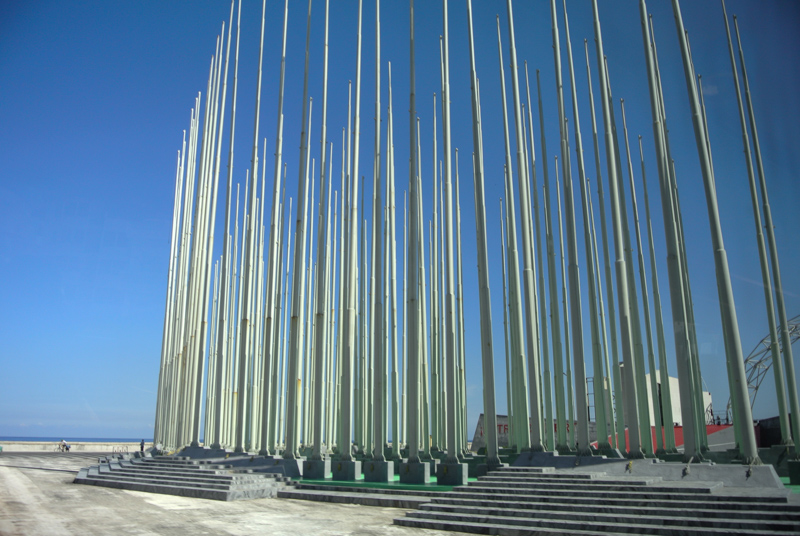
[{"x": 94, "y": 97}]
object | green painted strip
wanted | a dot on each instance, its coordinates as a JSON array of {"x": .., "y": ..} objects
[{"x": 794, "y": 488}]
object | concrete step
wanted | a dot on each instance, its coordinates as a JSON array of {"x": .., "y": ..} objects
[
  {"x": 685, "y": 517},
  {"x": 210, "y": 470},
  {"x": 173, "y": 482},
  {"x": 569, "y": 526},
  {"x": 514, "y": 469},
  {"x": 612, "y": 487},
  {"x": 358, "y": 496},
  {"x": 494, "y": 528},
  {"x": 160, "y": 478},
  {"x": 191, "y": 465},
  {"x": 555, "y": 477},
  {"x": 733, "y": 510},
  {"x": 357, "y": 489},
  {"x": 228, "y": 479},
  {"x": 591, "y": 497},
  {"x": 706, "y": 501},
  {"x": 600, "y": 480},
  {"x": 200, "y": 493},
  {"x": 189, "y": 471},
  {"x": 156, "y": 471}
]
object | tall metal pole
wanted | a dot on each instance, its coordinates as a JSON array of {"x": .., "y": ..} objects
[
  {"x": 450, "y": 303},
  {"x": 582, "y": 431},
  {"x": 595, "y": 260},
  {"x": 323, "y": 262},
  {"x": 521, "y": 407},
  {"x": 436, "y": 335},
  {"x": 531, "y": 313},
  {"x": 270, "y": 372},
  {"x": 599, "y": 381},
  {"x": 376, "y": 291},
  {"x": 424, "y": 384},
  {"x": 393, "y": 277},
  {"x": 168, "y": 310},
  {"x": 205, "y": 258},
  {"x": 786, "y": 435},
  {"x": 674, "y": 266},
  {"x": 222, "y": 326},
  {"x": 346, "y": 359},
  {"x": 298, "y": 289},
  {"x": 651, "y": 360},
  {"x": 413, "y": 312},
  {"x": 619, "y": 406},
  {"x": 546, "y": 391},
  {"x": 748, "y": 447},
  {"x": 555, "y": 325},
  {"x": 788, "y": 359},
  {"x": 645, "y": 437},
  {"x": 509, "y": 390},
  {"x": 581, "y": 406},
  {"x": 487, "y": 348},
  {"x": 665, "y": 394},
  {"x": 404, "y": 351},
  {"x": 631, "y": 408},
  {"x": 558, "y": 362},
  {"x": 462, "y": 365},
  {"x": 245, "y": 326}
]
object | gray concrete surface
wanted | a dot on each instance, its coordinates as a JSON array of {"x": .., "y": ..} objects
[{"x": 37, "y": 497}]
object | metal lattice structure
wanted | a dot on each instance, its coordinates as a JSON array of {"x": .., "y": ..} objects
[{"x": 758, "y": 363}]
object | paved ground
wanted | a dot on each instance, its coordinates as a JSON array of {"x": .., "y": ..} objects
[{"x": 37, "y": 497}]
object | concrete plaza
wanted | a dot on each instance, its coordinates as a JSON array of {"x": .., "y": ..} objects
[{"x": 37, "y": 497}]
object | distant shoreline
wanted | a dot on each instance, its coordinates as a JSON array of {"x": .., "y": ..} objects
[
  {"x": 75, "y": 446},
  {"x": 68, "y": 439}
]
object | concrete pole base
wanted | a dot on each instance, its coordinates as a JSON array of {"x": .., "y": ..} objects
[
  {"x": 376, "y": 471},
  {"x": 452, "y": 474},
  {"x": 415, "y": 473},
  {"x": 316, "y": 469},
  {"x": 346, "y": 470}
]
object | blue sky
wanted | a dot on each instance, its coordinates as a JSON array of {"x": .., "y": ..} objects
[{"x": 94, "y": 97}]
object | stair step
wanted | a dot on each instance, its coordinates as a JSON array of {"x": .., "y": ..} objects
[
  {"x": 592, "y": 497},
  {"x": 774, "y": 511},
  {"x": 514, "y": 469},
  {"x": 642, "y": 517},
  {"x": 173, "y": 482},
  {"x": 356, "y": 489},
  {"x": 355, "y": 497},
  {"x": 226, "y": 479},
  {"x": 649, "y": 492},
  {"x": 597, "y": 481},
  {"x": 234, "y": 472},
  {"x": 535, "y": 477},
  {"x": 571, "y": 525},
  {"x": 512, "y": 472},
  {"x": 494, "y": 528},
  {"x": 202, "y": 493}
]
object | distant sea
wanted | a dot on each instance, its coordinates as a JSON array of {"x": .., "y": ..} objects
[{"x": 77, "y": 439}]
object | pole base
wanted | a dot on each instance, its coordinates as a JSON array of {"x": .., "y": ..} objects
[
  {"x": 452, "y": 474},
  {"x": 415, "y": 473}
]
